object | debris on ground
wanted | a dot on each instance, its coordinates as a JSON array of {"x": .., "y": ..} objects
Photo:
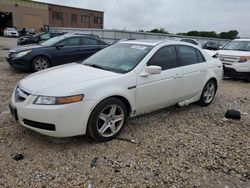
[
  {"x": 94, "y": 163},
  {"x": 18, "y": 157},
  {"x": 128, "y": 140},
  {"x": 233, "y": 114}
]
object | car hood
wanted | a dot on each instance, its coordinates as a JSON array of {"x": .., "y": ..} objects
[
  {"x": 66, "y": 76},
  {"x": 25, "y": 47},
  {"x": 233, "y": 53}
]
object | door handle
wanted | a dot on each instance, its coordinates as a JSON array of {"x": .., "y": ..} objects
[{"x": 178, "y": 76}]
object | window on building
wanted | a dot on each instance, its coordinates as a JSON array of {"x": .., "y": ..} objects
[
  {"x": 73, "y": 18},
  {"x": 57, "y": 15},
  {"x": 98, "y": 20},
  {"x": 85, "y": 19}
]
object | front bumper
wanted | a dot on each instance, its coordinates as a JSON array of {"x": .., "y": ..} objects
[
  {"x": 19, "y": 63},
  {"x": 53, "y": 120},
  {"x": 231, "y": 72}
]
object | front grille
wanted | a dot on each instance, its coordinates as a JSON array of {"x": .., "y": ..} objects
[
  {"x": 20, "y": 95},
  {"x": 39, "y": 125}
]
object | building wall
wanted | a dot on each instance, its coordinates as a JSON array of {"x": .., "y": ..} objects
[
  {"x": 84, "y": 18},
  {"x": 26, "y": 13}
]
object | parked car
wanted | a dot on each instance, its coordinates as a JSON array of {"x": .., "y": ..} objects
[
  {"x": 129, "y": 78},
  {"x": 191, "y": 41},
  {"x": 10, "y": 32},
  {"x": 55, "y": 51},
  {"x": 235, "y": 57},
  {"x": 27, "y": 32},
  {"x": 211, "y": 46},
  {"x": 35, "y": 39}
]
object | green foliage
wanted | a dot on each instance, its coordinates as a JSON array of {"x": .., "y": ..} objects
[
  {"x": 161, "y": 30},
  {"x": 212, "y": 34},
  {"x": 229, "y": 35}
]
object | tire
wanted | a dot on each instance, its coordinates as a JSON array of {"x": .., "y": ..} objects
[
  {"x": 40, "y": 63},
  {"x": 107, "y": 120},
  {"x": 233, "y": 114},
  {"x": 248, "y": 78},
  {"x": 208, "y": 93}
]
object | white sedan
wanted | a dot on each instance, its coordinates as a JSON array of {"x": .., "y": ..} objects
[
  {"x": 10, "y": 32},
  {"x": 129, "y": 78}
]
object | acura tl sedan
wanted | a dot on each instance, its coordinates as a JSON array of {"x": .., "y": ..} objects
[
  {"x": 55, "y": 51},
  {"x": 130, "y": 78}
]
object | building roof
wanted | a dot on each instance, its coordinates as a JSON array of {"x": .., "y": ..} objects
[{"x": 37, "y": 1}]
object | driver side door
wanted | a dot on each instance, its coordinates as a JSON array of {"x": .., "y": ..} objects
[{"x": 160, "y": 90}]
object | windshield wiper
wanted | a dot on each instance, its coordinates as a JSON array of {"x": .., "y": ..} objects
[
  {"x": 242, "y": 50},
  {"x": 95, "y": 66}
]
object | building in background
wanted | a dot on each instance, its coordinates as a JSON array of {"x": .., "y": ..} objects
[{"x": 25, "y": 13}]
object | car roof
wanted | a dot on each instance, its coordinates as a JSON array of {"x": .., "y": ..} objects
[{"x": 149, "y": 42}]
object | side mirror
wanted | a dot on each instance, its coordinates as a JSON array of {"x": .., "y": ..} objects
[
  {"x": 58, "y": 46},
  {"x": 150, "y": 70}
]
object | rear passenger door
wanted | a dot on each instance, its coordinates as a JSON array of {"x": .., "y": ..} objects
[
  {"x": 89, "y": 47},
  {"x": 193, "y": 70}
]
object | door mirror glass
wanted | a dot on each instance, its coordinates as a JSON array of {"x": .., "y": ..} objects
[{"x": 150, "y": 70}]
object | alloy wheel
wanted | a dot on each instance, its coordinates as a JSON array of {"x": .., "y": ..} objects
[
  {"x": 40, "y": 64},
  {"x": 110, "y": 120},
  {"x": 209, "y": 92}
]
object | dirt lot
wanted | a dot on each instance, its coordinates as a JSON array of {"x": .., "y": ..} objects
[{"x": 177, "y": 147}]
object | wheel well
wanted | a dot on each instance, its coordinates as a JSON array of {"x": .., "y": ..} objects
[
  {"x": 215, "y": 81},
  {"x": 40, "y": 56},
  {"x": 124, "y": 100}
]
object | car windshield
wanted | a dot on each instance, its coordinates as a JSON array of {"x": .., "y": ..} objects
[
  {"x": 238, "y": 45},
  {"x": 120, "y": 57},
  {"x": 52, "y": 41},
  {"x": 11, "y": 29},
  {"x": 30, "y": 30}
]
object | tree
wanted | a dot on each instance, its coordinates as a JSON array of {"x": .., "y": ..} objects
[
  {"x": 161, "y": 30},
  {"x": 229, "y": 35}
]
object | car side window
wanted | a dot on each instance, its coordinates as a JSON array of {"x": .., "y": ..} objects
[
  {"x": 74, "y": 41},
  {"x": 88, "y": 41},
  {"x": 188, "y": 55},
  {"x": 201, "y": 58},
  {"x": 165, "y": 57}
]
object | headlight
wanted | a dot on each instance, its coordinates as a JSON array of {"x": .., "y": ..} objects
[
  {"x": 23, "y": 53},
  {"x": 47, "y": 100},
  {"x": 242, "y": 60}
]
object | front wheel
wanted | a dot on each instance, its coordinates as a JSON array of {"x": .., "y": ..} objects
[
  {"x": 208, "y": 93},
  {"x": 40, "y": 63},
  {"x": 107, "y": 120},
  {"x": 248, "y": 77}
]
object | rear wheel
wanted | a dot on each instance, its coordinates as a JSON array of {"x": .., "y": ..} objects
[
  {"x": 40, "y": 63},
  {"x": 107, "y": 120},
  {"x": 208, "y": 93}
]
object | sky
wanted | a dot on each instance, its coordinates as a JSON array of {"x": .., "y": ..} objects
[{"x": 173, "y": 15}]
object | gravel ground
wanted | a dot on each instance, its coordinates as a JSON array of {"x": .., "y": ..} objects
[{"x": 176, "y": 147}]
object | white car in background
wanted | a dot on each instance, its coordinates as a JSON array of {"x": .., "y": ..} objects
[
  {"x": 129, "y": 78},
  {"x": 10, "y": 32},
  {"x": 235, "y": 57},
  {"x": 191, "y": 41}
]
